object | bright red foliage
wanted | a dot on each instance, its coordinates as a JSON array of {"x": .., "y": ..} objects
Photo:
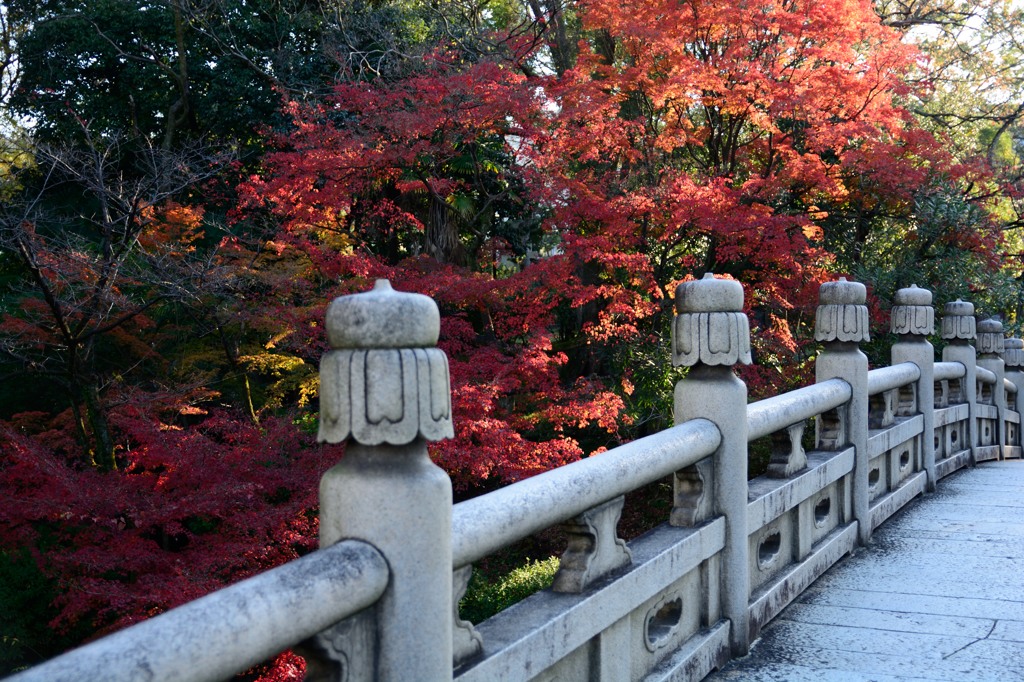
[
  {"x": 191, "y": 510},
  {"x": 551, "y": 217}
]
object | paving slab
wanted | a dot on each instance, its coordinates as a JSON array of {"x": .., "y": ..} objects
[{"x": 938, "y": 595}]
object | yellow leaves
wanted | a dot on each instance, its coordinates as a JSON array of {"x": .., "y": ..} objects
[
  {"x": 268, "y": 364},
  {"x": 276, "y": 339},
  {"x": 291, "y": 379}
]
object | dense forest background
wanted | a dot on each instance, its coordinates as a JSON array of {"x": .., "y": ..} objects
[{"x": 186, "y": 184}]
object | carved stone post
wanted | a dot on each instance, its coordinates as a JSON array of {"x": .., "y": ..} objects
[
  {"x": 842, "y": 323},
  {"x": 384, "y": 390},
  {"x": 958, "y": 330},
  {"x": 990, "y": 351},
  {"x": 711, "y": 334},
  {"x": 913, "y": 319},
  {"x": 1013, "y": 356}
]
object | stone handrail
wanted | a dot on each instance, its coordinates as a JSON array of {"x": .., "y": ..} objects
[
  {"x": 887, "y": 378},
  {"x": 218, "y": 635},
  {"x": 770, "y": 415},
  {"x": 380, "y": 599},
  {"x": 944, "y": 371},
  {"x": 485, "y": 524}
]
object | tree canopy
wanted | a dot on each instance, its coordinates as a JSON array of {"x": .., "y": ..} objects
[{"x": 185, "y": 185}]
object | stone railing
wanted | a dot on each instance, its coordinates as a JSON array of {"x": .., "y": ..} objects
[{"x": 379, "y": 600}]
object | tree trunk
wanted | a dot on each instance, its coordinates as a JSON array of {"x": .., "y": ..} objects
[{"x": 442, "y": 232}]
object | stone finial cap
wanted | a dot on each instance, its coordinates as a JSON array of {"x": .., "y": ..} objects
[
  {"x": 842, "y": 292},
  {"x": 912, "y": 312},
  {"x": 913, "y": 295},
  {"x": 958, "y": 321},
  {"x": 383, "y": 318},
  {"x": 992, "y": 325},
  {"x": 709, "y": 295},
  {"x": 1013, "y": 352},
  {"x": 959, "y": 307},
  {"x": 990, "y": 336},
  {"x": 384, "y": 381},
  {"x": 710, "y": 327},
  {"x": 842, "y": 315}
]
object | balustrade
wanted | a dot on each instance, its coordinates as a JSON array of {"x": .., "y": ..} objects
[{"x": 379, "y": 600}]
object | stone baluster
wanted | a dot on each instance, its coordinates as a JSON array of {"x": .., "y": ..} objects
[
  {"x": 711, "y": 334},
  {"x": 913, "y": 319},
  {"x": 384, "y": 390},
  {"x": 1013, "y": 356},
  {"x": 841, "y": 324},
  {"x": 958, "y": 330},
  {"x": 990, "y": 352}
]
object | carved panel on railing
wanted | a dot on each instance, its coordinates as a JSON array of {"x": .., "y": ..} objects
[
  {"x": 878, "y": 477},
  {"x": 466, "y": 641},
  {"x": 956, "y": 391},
  {"x": 984, "y": 392},
  {"x": 830, "y": 430},
  {"x": 691, "y": 505},
  {"x": 788, "y": 455},
  {"x": 595, "y": 549},
  {"x": 345, "y": 652},
  {"x": 771, "y": 549},
  {"x": 906, "y": 400},
  {"x": 881, "y": 411}
]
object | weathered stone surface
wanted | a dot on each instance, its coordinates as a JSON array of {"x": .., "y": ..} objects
[
  {"x": 913, "y": 312},
  {"x": 691, "y": 497},
  {"x": 386, "y": 390},
  {"x": 711, "y": 341},
  {"x": 842, "y": 314},
  {"x": 466, "y": 641},
  {"x": 595, "y": 549},
  {"x": 1013, "y": 353},
  {"x": 710, "y": 326},
  {"x": 900, "y": 609},
  {"x": 383, "y": 318},
  {"x": 788, "y": 456},
  {"x": 990, "y": 336},
  {"x": 709, "y": 295},
  {"x": 842, "y": 323},
  {"x": 958, "y": 321},
  {"x": 381, "y": 383},
  {"x": 227, "y": 631},
  {"x": 385, "y": 396}
]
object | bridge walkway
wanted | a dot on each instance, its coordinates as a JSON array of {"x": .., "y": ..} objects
[{"x": 938, "y": 595}]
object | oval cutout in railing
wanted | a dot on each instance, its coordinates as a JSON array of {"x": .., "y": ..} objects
[
  {"x": 874, "y": 476},
  {"x": 769, "y": 549},
  {"x": 662, "y": 623},
  {"x": 953, "y": 435},
  {"x": 821, "y": 511},
  {"x": 937, "y": 443},
  {"x": 988, "y": 431},
  {"x": 905, "y": 459}
]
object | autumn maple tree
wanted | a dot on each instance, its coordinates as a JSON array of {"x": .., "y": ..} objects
[{"x": 547, "y": 171}]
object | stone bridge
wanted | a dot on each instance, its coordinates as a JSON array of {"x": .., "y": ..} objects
[{"x": 797, "y": 574}]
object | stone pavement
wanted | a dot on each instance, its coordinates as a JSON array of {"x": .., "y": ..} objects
[{"x": 938, "y": 595}]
